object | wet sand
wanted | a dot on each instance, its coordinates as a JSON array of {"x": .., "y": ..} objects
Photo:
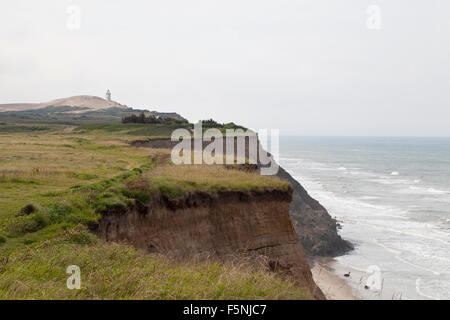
[{"x": 333, "y": 286}]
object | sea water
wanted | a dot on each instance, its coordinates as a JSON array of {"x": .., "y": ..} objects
[{"x": 392, "y": 198}]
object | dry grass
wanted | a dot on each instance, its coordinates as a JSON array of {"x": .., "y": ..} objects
[
  {"x": 33, "y": 165},
  {"x": 213, "y": 178}
]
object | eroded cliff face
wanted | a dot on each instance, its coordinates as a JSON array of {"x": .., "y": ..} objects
[
  {"x": 215, "y": 225},
  {"x": 316, "y": 229}
]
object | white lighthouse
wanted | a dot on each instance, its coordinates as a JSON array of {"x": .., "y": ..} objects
[{"x": 108, "y": 95}]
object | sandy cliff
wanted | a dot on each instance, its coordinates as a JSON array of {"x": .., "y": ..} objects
[{"x": 215, "y": 225}]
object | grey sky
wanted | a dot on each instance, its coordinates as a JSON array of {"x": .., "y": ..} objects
[{"x": 306, "y": 67}]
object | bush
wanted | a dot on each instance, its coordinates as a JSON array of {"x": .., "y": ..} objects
[
  {"x": 141, "y": 118},
  {"x": 27, "y": 224},
  {"x": 56, "y": 212},
  {"x": 210, "y": 123},
  {"x": 27, "y": 210}
]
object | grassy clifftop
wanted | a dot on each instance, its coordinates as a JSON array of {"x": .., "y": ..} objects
[
  {"x": 53, "y": 185},
  {"x": 113, "y": 271}
]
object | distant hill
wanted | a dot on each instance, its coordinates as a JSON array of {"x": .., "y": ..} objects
[
  {"x": 75, "y": 110},
  {"x": 83, "y": 103},
  {"x": 18, "y": 106}
]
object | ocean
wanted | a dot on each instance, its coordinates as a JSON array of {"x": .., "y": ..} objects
[{"x": 391, "y": 197}]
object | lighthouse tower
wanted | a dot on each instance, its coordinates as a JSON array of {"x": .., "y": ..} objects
[{"x": 108, "y": 95}]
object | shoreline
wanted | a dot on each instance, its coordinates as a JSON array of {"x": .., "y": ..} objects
[
  {"x": 332, "y": 286},
  {"x": 328, "y": 274}
]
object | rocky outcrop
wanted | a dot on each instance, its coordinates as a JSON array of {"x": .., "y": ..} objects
[
  {"x": 216, "y": 225},
  {"x": 315, "y": 227}
]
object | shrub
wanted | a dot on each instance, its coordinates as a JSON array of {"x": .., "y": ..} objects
[
  {"x": 27, "y": 224},
  {"x": 137, "y": 171},
  {"x": 141, "y": 118},
  {"x": 27, "y": 210},
  {"x": 210, "y": 123},
  {"x": 56, "y": 212}
]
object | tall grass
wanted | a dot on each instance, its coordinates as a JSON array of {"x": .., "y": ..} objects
[
  {"x": 211, "y": 178},
  {"x": 35, "y": 166},
  {"x": 114, "y": 271}
]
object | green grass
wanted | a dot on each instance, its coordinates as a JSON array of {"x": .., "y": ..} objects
[
  {"x": 36, "y": 167},
  {"x": 133, "y": 129},
  {"x": 42, "y": 241},
  {"x": 114, "y": 271},
  {"x": 176, "y": 180},
  {"x": 4, "y": 128},
  {"x": 58, "y": 116},
  {"x": 55, "y": 184}
]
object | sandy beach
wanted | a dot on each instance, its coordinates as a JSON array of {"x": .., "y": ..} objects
[
  {"x": 328, "y": 273},
  {"x": 334, "y": 287}
]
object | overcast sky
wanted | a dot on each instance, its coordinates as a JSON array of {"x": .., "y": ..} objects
[{"x": 307, "y": 67}]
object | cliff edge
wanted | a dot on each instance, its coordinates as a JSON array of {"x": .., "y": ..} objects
[
  {"x": 216, "y": 225},
  {"x": 315, "y": 227}
]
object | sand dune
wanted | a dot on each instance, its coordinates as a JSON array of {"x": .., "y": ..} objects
[{"x": 90, "y": 102}]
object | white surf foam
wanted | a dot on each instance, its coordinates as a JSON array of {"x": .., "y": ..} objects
[
  {"x": 424, "y": 190},
  {"x": 421, "y": 292},
  {"x": 417, "y": 241},
  {"x": 398, "y": 256}
]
